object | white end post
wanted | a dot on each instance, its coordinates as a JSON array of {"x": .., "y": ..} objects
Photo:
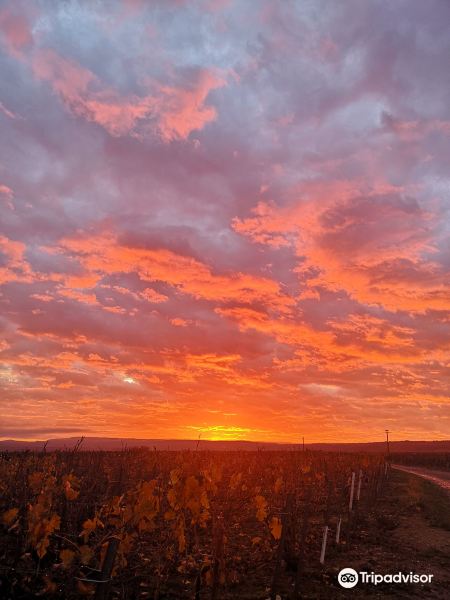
[
  {"x": 352, "y": 493},
  {"x": 338, "y": 530},
  {"x": 324, "y": 544},
  {"x": 358, "y": 493}
]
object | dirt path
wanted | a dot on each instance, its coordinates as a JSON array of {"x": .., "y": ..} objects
[
  {"x": 400, "y": 537},
  {"x": 440, "y": 478}
]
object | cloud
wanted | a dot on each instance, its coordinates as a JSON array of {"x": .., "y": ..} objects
[
  {"x": 153, "y": 296},
  {"x": 172, "y": 111},
  {"x": 183, "y": 110},
  {"x": 243, "y": 208},
  {"x": 378, "y": 248},
  {"x": 15, "y": 29},
  {"x": 15, "y": 268},
  {"x": 7, "y": 112},
  {"x": 7, "y": 195},
  {"x": 106, "y": 255},
  {"x": 413, "y": 130}
]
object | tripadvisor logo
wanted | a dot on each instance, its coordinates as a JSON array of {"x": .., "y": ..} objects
[{"x": 348, "y": 577}]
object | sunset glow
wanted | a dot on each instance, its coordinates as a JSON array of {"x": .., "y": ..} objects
[{"x": 225, "y": 219}]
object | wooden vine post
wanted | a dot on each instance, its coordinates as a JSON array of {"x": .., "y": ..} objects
[
  {"x": 302, "y": 542},
  {"x": 360, "y": 478},
  {"x": 281, "y": 548},
  {"x": 218, "y": 558},
  {"x": 324, "y": 544},
  {"x": 104, "y": 585},
  {"x": 338, "y": 531}
]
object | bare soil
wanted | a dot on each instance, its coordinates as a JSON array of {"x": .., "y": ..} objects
[{"x": 400, "y": 538}]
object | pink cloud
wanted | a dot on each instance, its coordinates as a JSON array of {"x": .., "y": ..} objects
[
  {"x": 15, "y": 30},
  {"x": 172, "y": 111},
  {"x": 84, "y": 95},
  {"x": 7, "y": 195},
  {"x": 413, "y": 129},
  {"x": 182, "y": 110},
  {"x": 7, "y": 112},
  {"x": 16, "y": 267}
]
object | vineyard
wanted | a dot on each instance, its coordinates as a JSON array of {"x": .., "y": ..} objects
[{"x": 173, "y": 525}]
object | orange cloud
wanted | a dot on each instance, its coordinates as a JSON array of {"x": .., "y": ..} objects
[
  {"x": 380, "y": 343},
  {"x": 153, "y": 296},
  {"x": 17, "y": 268},
  {"x": 285, "y": 330},
  {"x": 103, "y": 255},
  {"x": 79, "y": 296},
  {"x": 374, "y": 244},
  {"x": 178, "y": 322}
]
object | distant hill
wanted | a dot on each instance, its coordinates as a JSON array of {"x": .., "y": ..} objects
[{"x": 98, "y": 443}]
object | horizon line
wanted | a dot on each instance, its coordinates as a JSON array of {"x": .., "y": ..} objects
[{"x": 197, "y": 440}]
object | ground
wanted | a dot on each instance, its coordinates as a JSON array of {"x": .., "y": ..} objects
[{"x": 410, "y": 533}]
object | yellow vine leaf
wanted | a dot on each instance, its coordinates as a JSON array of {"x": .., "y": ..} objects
[
  {"x": 85, "y": 554},
  {"x": 261, "y": 508},
  {"x": 275, "y": 527},
  {"x": 278, "y": 485},
  {"x": 147, "y": 490},
  {"x": 50, "y": 586},
  {"x": 235, "y": 480},
  {"x": 35, "y": 481},
  {"x": 69, "y": 492},
  {"x": 89, "y": 526},
  {"x": 192, "y": 487},
  {"x": 175, "y": 476},
  {"x": 85, "y": 589},
  {"x": 146, "y": 525},
  {"x": 67, "y": 557},
  {"x": 208, "y": 577},
  {"x": 10, "y": 516},
  {"x": 46, "y": 529},
  {"x": 180, "y": 536},
  {"x": 172, "y": 498},
  {"x": 204, "y": 499}
]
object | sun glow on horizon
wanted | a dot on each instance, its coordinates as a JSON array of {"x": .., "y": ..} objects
[{"x": 221, "y": 432}]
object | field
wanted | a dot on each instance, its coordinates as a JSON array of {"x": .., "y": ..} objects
[
  {"x": 203, "y": 525},
  {"x": 214, "y": 525},
  {"x": 195, "y": 524}
]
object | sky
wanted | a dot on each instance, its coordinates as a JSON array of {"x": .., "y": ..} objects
[{"x": 225, "y": 218}]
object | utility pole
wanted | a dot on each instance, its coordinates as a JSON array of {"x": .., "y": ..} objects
[
  {"x": 303, "y": 438},
  {"x": 387, "y": 444}
]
